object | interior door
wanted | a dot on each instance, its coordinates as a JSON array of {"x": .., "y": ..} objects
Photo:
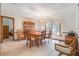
[{"x": 5, "y": 31}]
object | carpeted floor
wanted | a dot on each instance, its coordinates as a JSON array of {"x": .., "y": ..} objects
[{"x": 18, "y": 48}]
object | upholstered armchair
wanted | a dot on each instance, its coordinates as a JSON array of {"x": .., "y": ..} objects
[
  {"x": 64, "y": 50},
  {"x": 69, "y": 46}
]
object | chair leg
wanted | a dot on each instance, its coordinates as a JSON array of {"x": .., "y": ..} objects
[
  {"x": 44, "y": 41},
  {"x": 30, "y": 44},
  {"x": 26, "y": 42},
  {"x": 41, "y": 42},
  {"x": 37, "y": 43},
  {"x": 48, "y": 40}
]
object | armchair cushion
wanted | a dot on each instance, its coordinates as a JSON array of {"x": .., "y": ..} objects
[{"x": 63, "y": 49}]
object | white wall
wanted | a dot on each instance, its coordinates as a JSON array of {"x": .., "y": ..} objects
[
  {"x": 77, "y": 21},
  {"x": 69, "y": 22},
  {"x": 69, "y": 18}
]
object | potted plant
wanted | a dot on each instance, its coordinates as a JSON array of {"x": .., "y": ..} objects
[{"x": 72, "y": 33}]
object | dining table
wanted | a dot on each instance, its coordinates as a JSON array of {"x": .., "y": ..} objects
[{"x": 36, "y": 35}]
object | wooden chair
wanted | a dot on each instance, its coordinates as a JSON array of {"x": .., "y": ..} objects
[
  {"x": 28, "y": 26},
  {"x": 27, "y": 35},
  {"x": 48, "y": 35},
  {"x": 43, "y": 36},
  {"x": 20, "y": 35},
  {"x": 30, "y": 39},
  {"x": 69, "y": 48}
]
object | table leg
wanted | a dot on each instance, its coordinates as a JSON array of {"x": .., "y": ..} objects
[{"x": 41, "y": 42}]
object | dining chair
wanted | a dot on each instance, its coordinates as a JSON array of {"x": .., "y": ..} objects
[
  {"x": 43, "y": 36},
  {"x": 27, "y": 34},
  {"x": 33, "y": 40},
  {"x": 48, "y": 35},
  {"x": 20, "y": 35},
  {"x": 30, "y": 39}
]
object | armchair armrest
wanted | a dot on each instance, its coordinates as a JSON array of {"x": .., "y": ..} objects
[{"x": 64, "y": 46}]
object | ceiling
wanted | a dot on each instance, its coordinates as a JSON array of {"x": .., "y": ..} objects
[{"x": 37, "y": 10}]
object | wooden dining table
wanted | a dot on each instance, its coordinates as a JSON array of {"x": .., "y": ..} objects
[{"x": 36, "y": 35}]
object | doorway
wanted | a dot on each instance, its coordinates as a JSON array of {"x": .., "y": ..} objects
[{"x": 7, "y": 28}]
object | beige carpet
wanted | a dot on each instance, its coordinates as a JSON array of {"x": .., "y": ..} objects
[{"x": 18, "y": 48}]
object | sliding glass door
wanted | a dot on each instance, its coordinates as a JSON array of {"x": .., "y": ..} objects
[{"x": 56, "y": 28}]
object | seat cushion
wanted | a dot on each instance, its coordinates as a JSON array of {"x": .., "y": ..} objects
[
  {"x": 32, "y": 38},
  {"x": 63, "y": 49}
]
